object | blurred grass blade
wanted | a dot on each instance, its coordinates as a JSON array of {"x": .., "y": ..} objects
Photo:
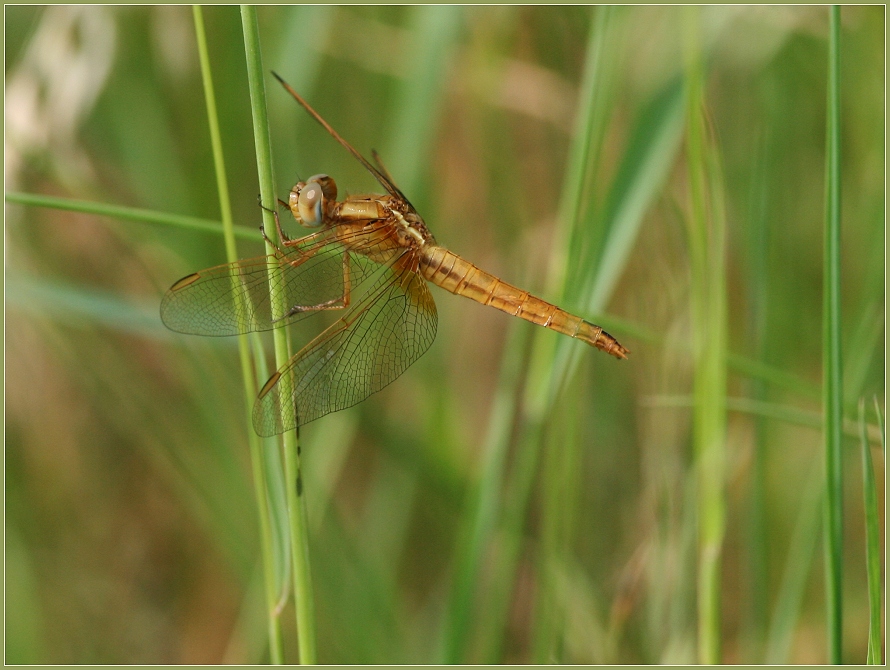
[
  {"x": 433, "y": 34},
  {"x": 414, "y": 119},
  {"x": 128, "y": 213},
  {"x": 755, "y": 243},
  {"x": 872, "y": 543},
  {"x": 773, "y": 375},
  {"x": 24, "y": 631},
  {"x": 553, "y": 362},
  {"x": 538, "y": 383},
  {"x": 303, "y": 595},
  {"x": 707, "y": 253},
  {"x": 482, "y": 504},
  {"x": 768, "y": 410},
  {"x": 583, "y": 163},
  {"x": 648, "y": 159},
  {"x": 489, "y": 629},
  {"x": 832, "y": 371},
  {"x": 651, "y": 153},
  {"x": 62, "y": 302},
  {"x": 575, "y": 248},
  {"x": 299, "y": 57},
  {"x": 268, "y": 545},
  {"x": 798, "y": 563},
  {"x": 560, "y": 484}
]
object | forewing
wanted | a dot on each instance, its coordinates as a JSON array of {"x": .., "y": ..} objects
[
  {"x": 368, "y": 348},
  {"x": 236, "y": 298}
]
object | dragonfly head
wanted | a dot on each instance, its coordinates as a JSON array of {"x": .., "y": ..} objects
[{"x": 309, "y": 200}]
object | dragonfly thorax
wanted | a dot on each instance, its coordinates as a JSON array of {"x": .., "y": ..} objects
[{"x": 411, "y": 230}]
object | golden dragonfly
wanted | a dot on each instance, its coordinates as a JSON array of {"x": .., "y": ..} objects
[{"x": 371, "y": 257}]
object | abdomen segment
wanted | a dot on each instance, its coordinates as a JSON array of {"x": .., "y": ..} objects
[{"x": 454, "y": 274}]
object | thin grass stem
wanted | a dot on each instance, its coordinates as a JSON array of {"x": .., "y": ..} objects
[
  {"x": 767, "y": 410},
  {"x": 298, "y": 521},
  {"x": 832, "y": 382},
  {"x": 872, "y": 543},
  {"x": 267, "y": 550},
  {"x": 128, "y": 213}
]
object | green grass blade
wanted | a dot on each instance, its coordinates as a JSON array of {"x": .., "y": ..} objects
[
  {"x": 128, "y": 213},
  {"x": 872, "y": 543},
  {"x": 61, "y": 302},
  {"x": 755, "y": 242},
  {"x": 560, "y": 483},
  {"x": 767, "y": 410},
  {"x": 491, "y": 618},
  {"x": 832, "y": 382},
  {"x": 483, "y": 504},
  {"x": 303, "y": 594},
  {"x": 561, "y": 457},
  {"x": 219, "y": 165},
  {"x": 649, "y": 157},
  {"x": 539, "y": 382},
  {"x": 433, "y": 34},
  {"x": 268, "y": 545},
  {"x": 798, "y": 563},
  {"x": 554, "y": 361},
  {"x": 707, "y": 252},
  {"x": 586, "y": 151}
]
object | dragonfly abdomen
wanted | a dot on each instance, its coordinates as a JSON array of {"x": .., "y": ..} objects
[{"x": 459, "y": 276}]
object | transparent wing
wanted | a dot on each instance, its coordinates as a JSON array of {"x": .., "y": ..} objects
[
  {"x": 313, "y": 273},
  {"x": 373, "y": 343}
]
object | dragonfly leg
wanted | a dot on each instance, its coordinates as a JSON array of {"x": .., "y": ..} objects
[
  {"x": 333, "y": 303},
  {"x": 278, "y": 252},
  {"x": 281, "y": 234},
  {"x": 347, "y": 281},
  {"x": 341, "y": 302}
]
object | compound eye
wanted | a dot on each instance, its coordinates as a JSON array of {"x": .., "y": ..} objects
[
  {"x": 328, "y": 185},
  {"x": 310, "y": 205}
]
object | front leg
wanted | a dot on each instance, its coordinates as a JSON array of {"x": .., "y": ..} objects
[{"x": 282, "y": 236}]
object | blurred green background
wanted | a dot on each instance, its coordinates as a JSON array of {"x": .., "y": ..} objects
[{"x": 436, "y": 534}]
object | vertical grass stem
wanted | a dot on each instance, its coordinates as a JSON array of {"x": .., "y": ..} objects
[
  {"x": 832, "y": 381},
  {"x": 872, "y": 543},
  {"x": 276, "y": 650},
  {"x": 707, "y": 250},
  {"x": 303, "y": 597}
]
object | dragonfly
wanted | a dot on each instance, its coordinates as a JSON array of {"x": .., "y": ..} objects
[{"x": 369, "y": 259}]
